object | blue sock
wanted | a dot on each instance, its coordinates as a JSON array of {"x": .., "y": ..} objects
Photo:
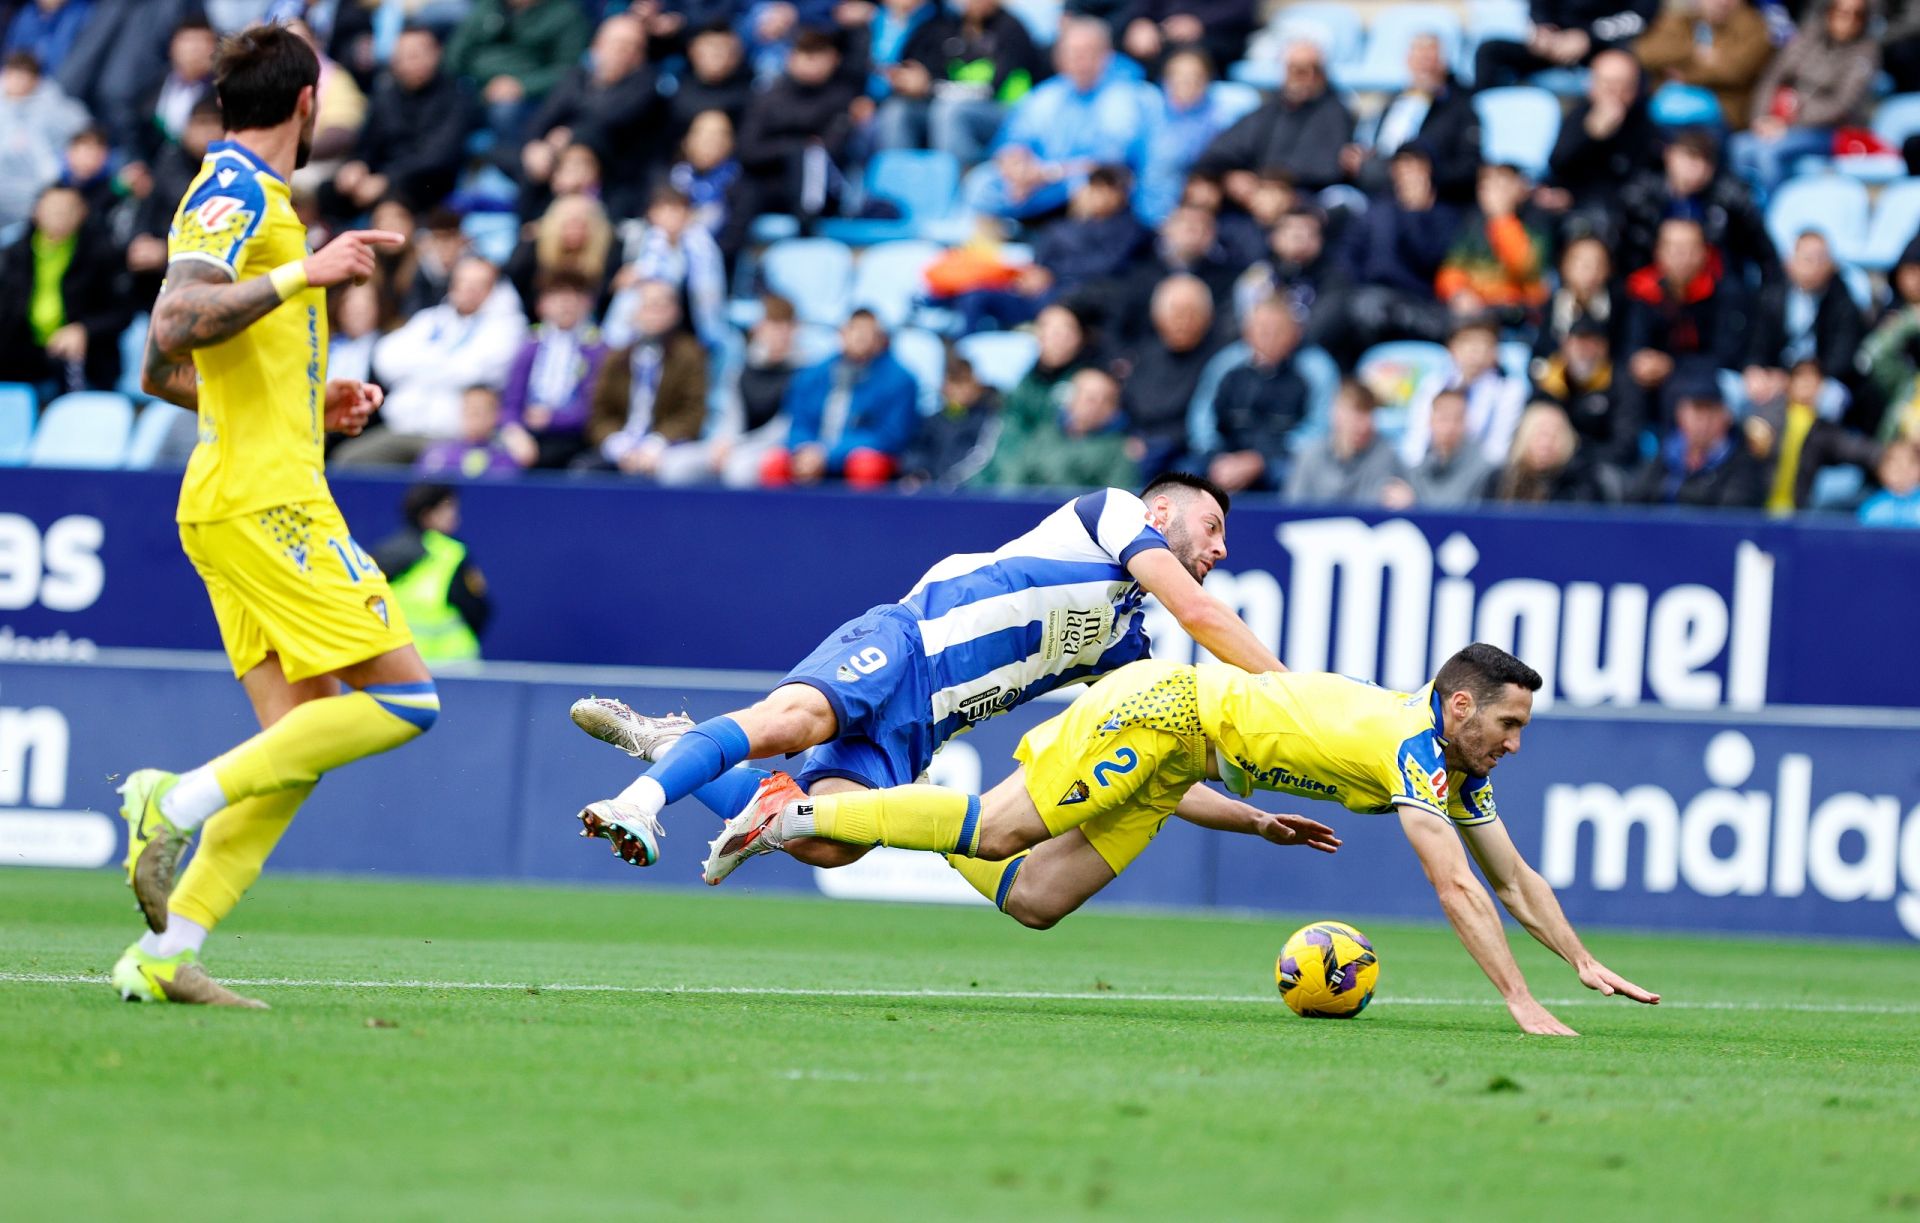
[
  {"x": 729, "y": 796},
  {"x": 701, "y": 756}
]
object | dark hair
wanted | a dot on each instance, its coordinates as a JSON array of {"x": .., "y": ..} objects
[
  {"x": 1170, "y": 482},
  {"x": 1359, "y": 392},
  {"x": 815, "y": 42},
  {"x": 669, "y": 195},
  {"x": 207, "y": 107},
  {"x": 868, "y": 315},
  {"x": 422, "y": 498},
  {"x": 194, "y": 23},
  {"x": 25, "y": 61},
  {"x": 1112, "y": 177},
  {"x": 777, "y": 309},
  {"x": 259, "y": 75},
  {"x": 1481, "y": 671},
  {"x": 563, "y": 280},
  {"x": 93, "y": 133}
]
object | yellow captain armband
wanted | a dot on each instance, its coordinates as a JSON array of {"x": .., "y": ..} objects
[{"x": 289, "y": 278}]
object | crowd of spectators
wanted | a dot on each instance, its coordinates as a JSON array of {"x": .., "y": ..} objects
[{"x": 1202, "y": 274}]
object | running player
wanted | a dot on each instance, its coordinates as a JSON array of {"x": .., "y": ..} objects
[
  {"x": 1100, "y": 779},
  {"x": 979, "y": 634},
  {"x": 239, "y": 333}
]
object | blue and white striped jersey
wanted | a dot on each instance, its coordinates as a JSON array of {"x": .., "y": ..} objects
[{"x": 1054, "y": 607}]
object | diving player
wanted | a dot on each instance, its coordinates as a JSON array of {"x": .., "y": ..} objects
[
  {"x": 978, "y": 635},
  {"x": 1099, "y": 780},
  {"x": 240, "y": 333}
]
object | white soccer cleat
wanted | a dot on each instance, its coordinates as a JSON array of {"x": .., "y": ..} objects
[
  {"x": 753, "y": 831},
  {"x": 634, "y": 832},
  {"x": 636, "y": 734}
]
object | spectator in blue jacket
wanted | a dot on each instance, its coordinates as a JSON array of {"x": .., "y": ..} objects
[
  {"x": 851, "y": 417},
  {"x": 1088, "y": 115},
  {"x": 1187, "y": 121},
  {"x": 47, "y": 28}
]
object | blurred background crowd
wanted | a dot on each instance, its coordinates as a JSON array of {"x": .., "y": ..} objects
[{"x": 1570, "y": 251}]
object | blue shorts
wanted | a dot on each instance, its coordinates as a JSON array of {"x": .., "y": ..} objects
[{"x": 873, "y": 674}]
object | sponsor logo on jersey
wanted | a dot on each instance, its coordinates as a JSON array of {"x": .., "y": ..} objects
[
  {"x": 216, "y": 209},
  {"x": 1076, "y": 793},
  {"x": 845, "y": 674},
  {"x": 985, "y": 704},
  {"x": 1280, "y": 777},
  {"x": 226, "y": 177},
  {"x": 1070, "y": 631}
]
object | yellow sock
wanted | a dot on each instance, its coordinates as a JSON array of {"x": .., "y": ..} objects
[
  {"x": 325, "y": 734},
  {"x": 233, "y": 847},
  {"x": 905, "y": 817},
  {"x": 994, "y": 880}
]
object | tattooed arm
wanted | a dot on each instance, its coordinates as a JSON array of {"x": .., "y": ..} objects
[{"x": 201, "y": 305}]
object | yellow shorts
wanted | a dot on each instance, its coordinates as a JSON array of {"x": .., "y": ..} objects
[
  {"x": 1119, "y": 760},
  {"x": 291, "y": 581}
]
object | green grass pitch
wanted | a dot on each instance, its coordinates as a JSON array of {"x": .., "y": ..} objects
[{"x": 910, "y": 1063}]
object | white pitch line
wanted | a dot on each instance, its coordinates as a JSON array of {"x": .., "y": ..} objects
[{"x": 771, "y": 991}]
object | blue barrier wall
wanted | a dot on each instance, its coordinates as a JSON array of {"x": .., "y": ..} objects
[
  {"x": 1621, "y": 608},
  {"x": 1775, "y": 822}
]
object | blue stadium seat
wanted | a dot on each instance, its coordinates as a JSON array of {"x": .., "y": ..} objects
[
  {"x": 1041, "y": 17},
  {"x": 1383, "y": 66},
  {"x": 814, "y": 343},
  {"x": 1837, "y": 488},
  {"x": 1897, "y": 118},
  {"x": 925, "y": 357},
  {"x": 1490, "y": 21},
  {"x": 1334, "y": 28},
  {"x": 773, "y": 227},
  {"x": 1831, "y": 203},
  {"x": 888, "y": 279},
  {"x": 813, "y": 274},
  {"x": 922, "y": 183},
  {"x": 1000, "y": 358},
  {"x": 493, "y": 234},
  {"x": 1562, "y": 82},
  {"x": 133, "y": 353},
  {"x": 1896, "y": 219},
  {"x": 1515, "y": 358},
  {"x": 17, "y": 404},
  {"x": 162, "y": 431},
  {"x": 1393, "y": 372},
  {"x": 1233, "y": 99},
  {"x": 83, "y": 429},
  {"x": 1518, "y": 125},
  {"x": 1860, "y": 285}
]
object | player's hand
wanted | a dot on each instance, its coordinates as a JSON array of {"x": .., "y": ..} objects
[
  {"x": 1595, "y": 975},
  {"x": 349, "y": 403},
  {"x": 1297, "y": 830},
  {"x": 1536, "y": 1020},
  {"x": 348, "y": 257}
]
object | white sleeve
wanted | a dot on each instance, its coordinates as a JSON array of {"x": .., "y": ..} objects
[{"x": 1117, "y": 521}]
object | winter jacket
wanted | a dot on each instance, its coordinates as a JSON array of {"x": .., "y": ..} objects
[
  {"x": 955, "y": 443},
  {"x": 1049, "y": 457},
  {"x": 1397, "y": 249},
  {"x": 1609, "y": 23},
  {"x": 1837, "y": 330},
  {"x": 997, "y": 61},
  {"x": 1608, "y": 420},
  {"x": 622, "y": 122},
  {"x": 1832, "y": 81},
  {"x": 884, "y": 414},
  {"x": 1699, "y": 320},
  {"x": 535, "y": 45},
  {"x": 568, "y": 417},
  {"x": 1158, "y": 392},
  {"x": 1596, "y": 171},
  {"x": 1321, "y": 477},
  {"x": 1827, "y": 444},
  {"x": 417, "y": 137},
  {"x": 693, "y": 96},
  {"x": 1080, "y": 252},
  {"x": 1730, "y": 478},
  {"x": 1303, "y": 140},
  {"x": 680, "y": 400},
  {"x": 1439, "y": 483},
  {"x": 788, "y": 117},
  {"x": 1450, "y": 132},
  {"x": 1726, "y": 213},
  {"x": 1741, "y": 46},
  {"x": 1578, "y": 483},
  {"x": 1500, "y": 260},
  {"x": 1254, "y": 407},
  {"x": 89, "y": 295}
]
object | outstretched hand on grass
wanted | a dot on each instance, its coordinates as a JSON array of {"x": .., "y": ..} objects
[{"x": 1595, "y": 975}]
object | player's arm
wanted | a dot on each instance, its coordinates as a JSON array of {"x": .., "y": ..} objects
[
  {"x": 1530, "y": 899},
  {"x": 1207, "y": 807},
  {"x": 1206, "y": 619},
  {"x": 1474, "y": 919}
]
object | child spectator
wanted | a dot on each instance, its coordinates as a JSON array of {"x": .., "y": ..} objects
[
  {"x": 708, "y": 174},
  {"x": 1897, "y": 504},
  {"x": 479, "y": 452},
  {"x": 668, "y": 246},
  {"x": 1454, "y": 471},
  {"x": 956, "y": 442},
  {"x": 1353, "y": 464},
  {"x": 1494, "y": 401}
]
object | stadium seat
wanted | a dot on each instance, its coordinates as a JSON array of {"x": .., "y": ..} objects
[
  {"x": 83, "y": 429},
  {"x": 1041, "y": 17},
  {"x": 1896, "y": 219},
  {"x": 1000, "y": 358},
  {"x": 724, "y": 362},
  {"x": 1833, "y": 204},
  {"x": 1518, "y": 125},
  {"x": 1562, "y": 82},
  {"x": 162, "y": 430},
  {"x": 1837, "y": 488},
  {"x": 888, "y": 279},
  {"x": 133, "y": 352},
  {"x": 1334, "y": 28},
  {"x": 813, "y": 274},
  {"x": 1515, "y": 358},
  {"x": 1234, "y": 99},
  {"x": 773, "y": 227},
  {"x": 814, "y": 343},
  {"x": 1490, "y": 21},
  {"x": 925, "y": 357},
  {"x": 921, "y": 183},
  {"x": 1861, "y": 286},
  {"x": 17, "y": 404},
  {"x": 493, "y": 234},
  {"x": 1393, "y": 372},
  {"x": 1382, "y": 67}
]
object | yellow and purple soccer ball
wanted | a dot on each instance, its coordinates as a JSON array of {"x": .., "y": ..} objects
[{"x": 1327, "y": 970}]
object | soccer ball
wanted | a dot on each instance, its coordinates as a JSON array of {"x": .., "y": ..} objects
[{"x": 1327, "y": 970}]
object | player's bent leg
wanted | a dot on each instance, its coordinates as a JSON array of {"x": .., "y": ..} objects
[{"x": 1057, "y": 877}]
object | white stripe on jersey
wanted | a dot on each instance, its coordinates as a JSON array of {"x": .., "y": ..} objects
[{"x": 998, "y": 612}]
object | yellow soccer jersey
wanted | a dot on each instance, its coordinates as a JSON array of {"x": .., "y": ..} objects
[
  {"x": 1329, "y": 737},
  {"x": 263, "y": 392}
]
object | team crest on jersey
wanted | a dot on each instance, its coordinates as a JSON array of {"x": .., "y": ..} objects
[
  {"x": 1077, "y": 793},
  {"x": 1481, "y": 800},
  {"x": 378, "y": 606},
  {"x": 1428, "y": 787}
]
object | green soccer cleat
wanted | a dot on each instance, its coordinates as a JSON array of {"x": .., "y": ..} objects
[
  {"x": 141, "y": 977},
  {"x": 154, "y": 842}
]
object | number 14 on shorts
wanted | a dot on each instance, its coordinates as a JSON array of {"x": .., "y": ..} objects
[{"x": 353, "y": 558}]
